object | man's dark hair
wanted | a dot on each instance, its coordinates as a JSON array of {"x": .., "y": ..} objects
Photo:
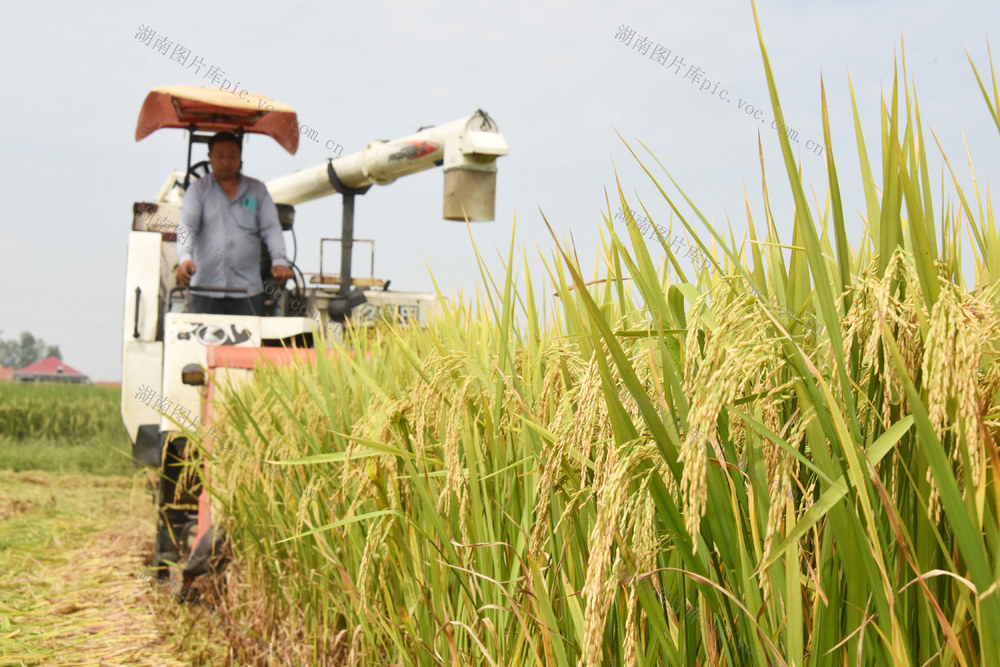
[{"x": 225, "y": 137}]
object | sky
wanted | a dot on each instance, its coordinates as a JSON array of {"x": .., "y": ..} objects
[{"x": 557, "y": 78}]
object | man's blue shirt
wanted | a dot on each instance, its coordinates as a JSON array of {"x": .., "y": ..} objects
[{"x": 223, "y": 237}]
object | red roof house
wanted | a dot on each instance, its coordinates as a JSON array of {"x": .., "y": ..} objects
[{"x": 49, "y": 370}]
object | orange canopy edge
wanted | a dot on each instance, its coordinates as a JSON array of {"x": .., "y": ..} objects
[{"x": 213, "y": 109}]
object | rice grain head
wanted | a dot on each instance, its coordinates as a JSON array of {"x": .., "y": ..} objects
[
  {"x": 373, "y": 552},
  {"x": 779, "y": 489},
  {"x": 960, "y": 328},
  {"x": 600, "y": 587},
  {"x": 897, "y": 298},
  {"x": 734, "y": 354}
]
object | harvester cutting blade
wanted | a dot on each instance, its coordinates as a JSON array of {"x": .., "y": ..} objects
[{"x": 209, "y": 555}]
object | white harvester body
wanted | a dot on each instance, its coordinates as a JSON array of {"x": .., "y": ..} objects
[{"x": 160, "y": 341}]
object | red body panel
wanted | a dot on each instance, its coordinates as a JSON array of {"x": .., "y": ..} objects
[{"x": 228, "y": 356}]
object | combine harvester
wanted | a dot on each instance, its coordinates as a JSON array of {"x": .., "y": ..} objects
[{"x": 174, "y": 360}]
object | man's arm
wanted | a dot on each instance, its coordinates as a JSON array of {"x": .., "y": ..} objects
[
  {"x": 270, "y": 231},
  {"x": 189, "y": 226}
]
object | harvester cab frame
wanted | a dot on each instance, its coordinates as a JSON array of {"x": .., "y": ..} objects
[{"x": 174, "y": 362}]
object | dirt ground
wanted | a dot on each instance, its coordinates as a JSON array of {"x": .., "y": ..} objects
[{"x": 70, "y": 546}]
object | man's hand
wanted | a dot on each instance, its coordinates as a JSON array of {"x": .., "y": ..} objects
[
  {"x": 184, "y": 273},
  {"x": 282, "y": 274}
]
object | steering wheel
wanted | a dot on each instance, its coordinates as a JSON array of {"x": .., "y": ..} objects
[
  {"x": 203, "y": 166},
  {"x": 298, "y": 288}
]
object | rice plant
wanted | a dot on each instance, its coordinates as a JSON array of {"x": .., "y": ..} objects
[
  {"x": 64, "y": 428},
  {"x": 69, "y": 412},
  {"x": 487, "y": 494}
]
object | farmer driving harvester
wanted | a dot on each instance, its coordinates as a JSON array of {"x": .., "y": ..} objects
[
  {"x": 203, "y": 237},
  {"x": 223, "y": 218},
  {"x": 206, "y": 302}
]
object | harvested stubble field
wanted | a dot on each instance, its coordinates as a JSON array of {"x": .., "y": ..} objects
[{"x": 76, "y": 521}]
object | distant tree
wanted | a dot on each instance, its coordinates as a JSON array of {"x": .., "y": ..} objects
[{"x": 26, "y": 351}]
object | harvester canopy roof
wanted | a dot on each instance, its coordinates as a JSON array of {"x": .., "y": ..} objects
[{"x": 212, "y": 109}]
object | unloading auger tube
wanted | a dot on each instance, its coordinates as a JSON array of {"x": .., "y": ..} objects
[{"x": 467, "y": 148}]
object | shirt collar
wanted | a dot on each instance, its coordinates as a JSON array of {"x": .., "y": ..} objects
[{"x": 240, "y": 189}]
